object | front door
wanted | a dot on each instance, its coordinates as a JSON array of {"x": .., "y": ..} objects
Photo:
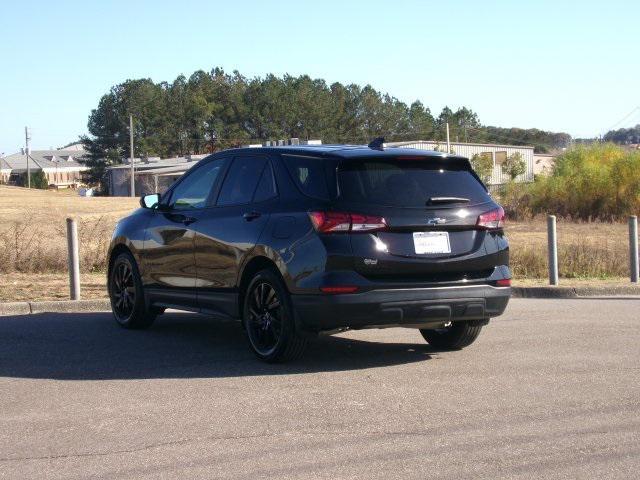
[
  {"x": 228, "y": 231},
  {"x": 168, "y": 254}
]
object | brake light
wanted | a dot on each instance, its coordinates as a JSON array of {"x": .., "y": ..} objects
[
  {"x": 337, "y": 222},
  {"x": 505, "y": 282},
  {"x": 492, "y": 219},
  {"x": 330, "y": 222}
]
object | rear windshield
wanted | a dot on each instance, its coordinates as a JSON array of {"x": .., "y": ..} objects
[{"x": 405, "y": 183}]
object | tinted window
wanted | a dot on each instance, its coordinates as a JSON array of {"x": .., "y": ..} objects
[
  {"x": 266, "y": 188},
  {"x": 405, "y": 183},
  {"x": 308, "y": 173},
  {"x": 193, "y": 191},
  {"x": 241, "y": 181}
]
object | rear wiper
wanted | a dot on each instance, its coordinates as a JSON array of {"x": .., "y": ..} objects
[{"x": 441, "y": 200}]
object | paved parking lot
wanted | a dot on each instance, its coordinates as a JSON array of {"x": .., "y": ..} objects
[{"x": 550, "y": 390}]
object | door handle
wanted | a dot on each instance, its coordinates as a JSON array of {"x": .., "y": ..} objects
[
  {"x": 248, "y": 216},
  {"x": 179, "y": 218}
]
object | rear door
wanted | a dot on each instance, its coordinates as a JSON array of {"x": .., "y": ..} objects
[
  {"x": 431, "y": 207},
  {"x": 231, "y": 228}
]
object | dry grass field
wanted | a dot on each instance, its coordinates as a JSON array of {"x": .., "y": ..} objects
[
  {"x": 33, "y": 258},
  {"x": 585, "y": 250},
  {"x": 33, "y": 229}
]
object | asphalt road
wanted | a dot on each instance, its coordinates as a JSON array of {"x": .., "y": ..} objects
[{"x": 550, "y": 390}]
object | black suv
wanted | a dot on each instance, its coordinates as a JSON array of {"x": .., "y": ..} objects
[{"x": 299, "y": 240}]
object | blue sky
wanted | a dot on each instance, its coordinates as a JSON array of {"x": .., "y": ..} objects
[{"x": 563, "y": 66}]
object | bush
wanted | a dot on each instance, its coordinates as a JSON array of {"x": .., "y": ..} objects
[
  {"x": 595, "y": 182},
  {"x": 483, "y": 166},
  {"x": 38, "y": 180},
  {"x": 516, "y": 199},
  {"x": 514, "y": 165}
]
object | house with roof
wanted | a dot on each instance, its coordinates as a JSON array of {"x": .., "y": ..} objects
[
  {"x": 61, "y": 167},
  {"x": 5, "y": 171}
]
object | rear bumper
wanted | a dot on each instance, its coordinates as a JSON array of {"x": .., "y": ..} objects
[{"x": 415, "y": 307}]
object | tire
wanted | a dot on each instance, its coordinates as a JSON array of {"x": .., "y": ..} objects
[
  {"x": 268, "y": 318},
  {"x": 126, "y": 294},
  {"x": 455, "y": 337}
]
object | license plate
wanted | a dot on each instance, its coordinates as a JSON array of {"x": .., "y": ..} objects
[{"x": 431, "y": 242}]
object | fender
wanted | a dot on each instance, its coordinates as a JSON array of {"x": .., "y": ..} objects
[{"x": 130, "y": 232}]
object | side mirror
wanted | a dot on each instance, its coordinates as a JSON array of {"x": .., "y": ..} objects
[{"x": 150, "y": 201}]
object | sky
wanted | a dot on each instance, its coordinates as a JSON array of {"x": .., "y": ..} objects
[{"x": 553, "y": 65}]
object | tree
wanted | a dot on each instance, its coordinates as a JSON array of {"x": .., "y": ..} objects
[
  {"x": 38, "y": 180},
  {"x": 483, "y": 166},
  {"x": 624, "y": 136},
  {"x": 209, "y": 111},
  {"x": 421, "y": 122},
  {"x": 514, "y": 165},
  {"x": 98, "y": 160}
]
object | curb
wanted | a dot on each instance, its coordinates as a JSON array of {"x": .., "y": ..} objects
[
  {"x": 574, "y": 292},
  {"x": 53, "y": 306}
]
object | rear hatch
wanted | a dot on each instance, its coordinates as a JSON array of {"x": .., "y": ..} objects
[{"x": 431, "y": 208}]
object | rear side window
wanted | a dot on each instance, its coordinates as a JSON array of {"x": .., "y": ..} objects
[
  {"x": 266, "y": 188},
  {"x": 308, "y": 174},
  {"x": 405, "y": 183},
  {"x": 241, "y": 180}
]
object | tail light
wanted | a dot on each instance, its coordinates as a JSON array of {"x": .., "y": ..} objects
[
  {"x": 337, "y": 222},
  {"x": 505, "y": 282},
  {"x": 491, "y": 220}
]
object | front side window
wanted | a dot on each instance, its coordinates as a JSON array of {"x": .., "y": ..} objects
[
  {"x": 194, "y": 190},
  {"x": 241, "y": 181}
]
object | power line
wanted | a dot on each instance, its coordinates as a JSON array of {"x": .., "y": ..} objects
[{"x": 636, "y": 109}]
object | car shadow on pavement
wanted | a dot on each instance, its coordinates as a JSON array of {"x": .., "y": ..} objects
[{"x": 90, "y": 346}]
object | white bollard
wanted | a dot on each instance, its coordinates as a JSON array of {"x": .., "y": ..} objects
[
  {"x": 633, "y": 247},
  {"x": 74, "y": 259},
  {"x": 552, "y": 243}
]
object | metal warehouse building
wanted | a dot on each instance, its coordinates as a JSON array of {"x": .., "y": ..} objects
[{"x": 498, "y": 153}]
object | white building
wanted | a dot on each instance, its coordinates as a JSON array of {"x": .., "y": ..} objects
[
  {"x": 151, "y": 174},
  {"x": 498, "y": 154},
  {"x": 61, "y": 167}
]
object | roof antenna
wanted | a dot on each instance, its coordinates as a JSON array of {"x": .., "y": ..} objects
[{"x": 377, "y": 143}]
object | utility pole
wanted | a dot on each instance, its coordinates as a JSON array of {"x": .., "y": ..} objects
[
  {"x": 448, "y": 142},
  {"x": 26, "y": 141},
  {"x": 133, "y": 181}
]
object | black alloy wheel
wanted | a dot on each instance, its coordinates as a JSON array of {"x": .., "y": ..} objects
[
  {"x": 268, "y": 319},
  {"x": 264, "y": 322},
  {"x": 126, "y": 295},
  {"x": 123, "y": 290}
]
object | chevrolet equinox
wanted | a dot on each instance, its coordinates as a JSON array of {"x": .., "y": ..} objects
[{"x": 300, "y": 240}]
